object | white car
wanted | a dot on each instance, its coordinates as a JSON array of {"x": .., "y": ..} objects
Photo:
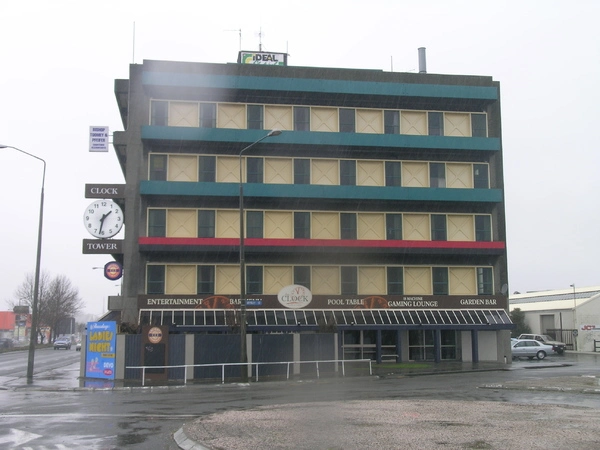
[{"x": 530, "y": 348}]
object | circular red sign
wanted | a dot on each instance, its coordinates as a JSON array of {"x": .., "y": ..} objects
[{"x": 113, "y": 270}]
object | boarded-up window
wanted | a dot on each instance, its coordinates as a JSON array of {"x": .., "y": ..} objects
[
  {"x": 325, "y": 225},
  {"x": 183, "y": 114},
  {"x": 231, "y": 115},
  {"x": 180, "y": 280},
  {"x": 417, "y": 281},
  {"x": 413, "y": 122},
  {"x": 182, "y": 168},
  {"x": 182, "y": 223},
  {"x": 326, "y": 280}
]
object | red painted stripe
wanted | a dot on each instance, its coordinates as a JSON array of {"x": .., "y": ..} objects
[{"x": 253, "y": 242}]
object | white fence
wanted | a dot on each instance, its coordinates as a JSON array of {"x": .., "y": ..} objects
[{"x": 255, "y": 364}]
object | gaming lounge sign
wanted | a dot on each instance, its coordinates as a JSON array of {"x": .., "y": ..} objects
[{"x": 297, "y": 297}]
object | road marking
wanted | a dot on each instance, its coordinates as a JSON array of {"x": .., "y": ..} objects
[{"x": 18, "y": 437}]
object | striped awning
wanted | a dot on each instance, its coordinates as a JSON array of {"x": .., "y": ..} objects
[{"x": 278, "y": 319}]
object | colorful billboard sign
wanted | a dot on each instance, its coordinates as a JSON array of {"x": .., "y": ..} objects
[
  {"x": 263, "y": 58},
  {"x": 100, "y": 355}
]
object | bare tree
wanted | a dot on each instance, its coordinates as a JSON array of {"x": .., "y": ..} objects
[
  {"x": 24, "y": 296},
  {"x": 58, "y": 300},
  {"x": 63, "y": 302}
]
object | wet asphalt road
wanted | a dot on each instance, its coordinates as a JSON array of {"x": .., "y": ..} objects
[{"x": 51, "y": 414}]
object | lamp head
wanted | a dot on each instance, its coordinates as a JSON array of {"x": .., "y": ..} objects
[{"x": 274, "y": 132}]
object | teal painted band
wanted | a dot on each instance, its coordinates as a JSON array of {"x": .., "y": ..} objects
[
  {"x": 322, "y": 138},
  {"x": 318, "y": 86},
  {"x": 321, "y": 192}
]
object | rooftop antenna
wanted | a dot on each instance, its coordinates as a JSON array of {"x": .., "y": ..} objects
[
  {"x": 260, "y": 39},
  {"x": 240, "y": 34}
]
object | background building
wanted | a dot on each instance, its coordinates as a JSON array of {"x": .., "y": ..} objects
[
  {"x": 570, "y": 315},
  {"x": 381, "y": 203}
]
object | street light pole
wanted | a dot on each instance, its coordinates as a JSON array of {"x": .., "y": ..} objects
[
  {"x": 574, "y": 318},
  {"x": 34, "y": 312},
  {"x": 243, "y": 347}
]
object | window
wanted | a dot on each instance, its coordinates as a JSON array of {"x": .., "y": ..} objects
[
  {"x": 159, "y": 113},
  {"x": 349, "y": 280},
  {"x": 301, "y": 118},
  {"x": 254, "y": 224},
  {"x": 206, "y": 223},
  {"x": 157, "y": 222},
  {"x": 255, "y": 117},
  {"x": 348, "y": 225},
  {"x": 155, "y": 279},
  {"x": 301, "y": 225},
  {"x": 158, "y": 167},
  {"x": 302, "y": 276},
  {"x": 254, "y": 170},
  {"x": 449, "y": 345},
  {"x": 206, "y": 280},
  {"x": 395, "y": 281},
  {"x": 347, "y": 172},
  {"x": 421, "y": 345},
  {"x": 438, "y": 227},
  {"x": 254, "y": 279},
  {"x": 207, "y": 169},
  {"x": 480, "y": 176},
  {"x": 393, "y": 171},
  {"x": 301, "y": 171},
  {"x": 393, "y": 226},
  {"x": 439, "y": 276},
  {"x": 483, "y": 228},
  {"x": 435, "y": 123},
  {"x": 391, "y": 122},
  {"x": 437, "y": 175},
  {"x": 347, "y": 120},
  {"x": 478, "y": 125},
  {"x": 485, "y": 281},
  {"x": 208, "y": 115}
]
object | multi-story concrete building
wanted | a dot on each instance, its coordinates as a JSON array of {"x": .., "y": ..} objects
[{"x": 376, "y": 215}]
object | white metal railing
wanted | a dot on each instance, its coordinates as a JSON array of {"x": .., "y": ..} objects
[{"x": 250, "y": 364}]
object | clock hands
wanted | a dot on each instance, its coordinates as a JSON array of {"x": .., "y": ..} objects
[{"x": 102, "y": 221}]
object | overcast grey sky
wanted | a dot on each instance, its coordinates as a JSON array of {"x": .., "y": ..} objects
[{"x": 59, "y": 60}]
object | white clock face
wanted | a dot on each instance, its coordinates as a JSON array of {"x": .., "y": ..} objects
[{"x": 103, "y": 218}]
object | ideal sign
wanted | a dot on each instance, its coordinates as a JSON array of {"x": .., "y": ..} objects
[{"x": 263, "y": 58}]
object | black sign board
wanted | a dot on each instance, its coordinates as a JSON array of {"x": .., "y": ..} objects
[
  {"x": 104, "y": 191},
  {"x": 102, "y": 246}
]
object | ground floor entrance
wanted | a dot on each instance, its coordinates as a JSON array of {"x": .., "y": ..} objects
[{"x": 387, "y": 345}]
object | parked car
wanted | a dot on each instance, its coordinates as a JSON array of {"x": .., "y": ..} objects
[
  {"x": 62, "y": 342},
  {"x": 559, "y": 347},
  {"x": 531, "y": 348},
  {"x": 6, "y": 343}
]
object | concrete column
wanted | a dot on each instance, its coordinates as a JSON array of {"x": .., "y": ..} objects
[{"x": 475, "y": 346}]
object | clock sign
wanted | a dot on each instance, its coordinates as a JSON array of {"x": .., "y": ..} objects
[{"x": 103, "y": 218}]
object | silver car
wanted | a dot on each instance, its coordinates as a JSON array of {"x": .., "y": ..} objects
[
  {"x": 62, "y": 342},
  {"x": 530, "y": 348}
]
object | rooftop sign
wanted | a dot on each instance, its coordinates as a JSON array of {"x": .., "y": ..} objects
[{"x": 263, "y": 58}]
